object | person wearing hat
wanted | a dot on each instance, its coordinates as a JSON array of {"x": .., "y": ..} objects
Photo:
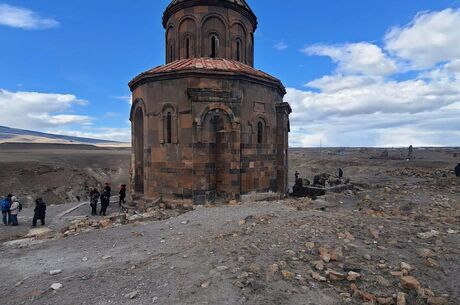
[{"x": 14, "y": 210}]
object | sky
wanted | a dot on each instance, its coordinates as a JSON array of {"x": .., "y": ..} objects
[{"x": 357, "y": 72}]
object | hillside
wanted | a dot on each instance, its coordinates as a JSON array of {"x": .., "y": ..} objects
[{"x": 13, "y": 135}]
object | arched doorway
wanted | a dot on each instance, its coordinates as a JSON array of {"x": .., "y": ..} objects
[
  {"x": 139, "y": 151},
  {"x": 219, "y": 131}
]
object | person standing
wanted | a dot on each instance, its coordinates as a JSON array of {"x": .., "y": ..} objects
[
  {"x": 108, "y": 189},
  {"x": 122, "y": 194},
  {"x": 93, "y": 198},
  {"x": 105, "y": 200},
  {"x": 6, "y": 204},
  {"x": 14, "y": 210},
  {"x": 39, "y": 212},
  {"x": 457, "y": 170}
]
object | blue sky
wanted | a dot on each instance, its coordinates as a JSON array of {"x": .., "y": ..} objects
[{"x": 358, "y": 73}]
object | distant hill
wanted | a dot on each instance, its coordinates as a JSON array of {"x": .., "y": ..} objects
[{"x": 13, "y": 135}]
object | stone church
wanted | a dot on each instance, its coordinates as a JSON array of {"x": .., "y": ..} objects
[{"x": 207, "y": 126}]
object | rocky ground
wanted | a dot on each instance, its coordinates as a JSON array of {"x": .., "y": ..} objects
[{"x": 393, "y": 240}]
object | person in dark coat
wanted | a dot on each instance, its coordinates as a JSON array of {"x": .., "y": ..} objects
[
  {"x": 122, "y": 194},
  {"x": 105, "y": 200},
  {"x": 340, "y": 173},
  {"x": 457, "y": 170},
  {"x": 93, "y": 199},
  {"x": 108, "y": 189},
  {"x": 5, "y": 204},
  {"x": 39, "y": 212}
]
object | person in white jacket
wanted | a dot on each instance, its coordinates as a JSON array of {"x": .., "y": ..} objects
[{"x": 14, "y": 209}]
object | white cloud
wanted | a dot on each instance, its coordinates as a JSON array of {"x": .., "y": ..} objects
[
  {"x": 18, "y": 17},
  {"x": 38, "y": 111},
  {"x": 370, "y": 99},
  {"x": 431, "y": 38},
  {"x": 125, "y": 98},
  {"x": 361, "y": 58},
  {"x": 280, "y": 46}
]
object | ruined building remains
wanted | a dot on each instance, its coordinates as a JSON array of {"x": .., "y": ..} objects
[{"x": 207, "y": 126}]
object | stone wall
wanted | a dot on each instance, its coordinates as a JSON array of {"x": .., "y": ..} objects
[{"x": 209, "y": 137}]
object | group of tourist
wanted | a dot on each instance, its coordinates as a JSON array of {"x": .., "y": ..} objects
[
  {"x": 11, "y": 207},
  {"x": 104, "y": 196}
]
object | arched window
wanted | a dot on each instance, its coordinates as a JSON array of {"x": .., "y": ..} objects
[
  {"x": 169, "y": 128},
  {"x": 238, "y": 50},
  {"x": 171, "y": 52},
  {"x": 214, "y": 46},
  {"x": 260, "y": 132},
  {"x": 187, "y": 47}
]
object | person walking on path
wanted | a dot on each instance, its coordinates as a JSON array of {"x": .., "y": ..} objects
[
  {"x": 93, "y": 198},
  {"x": 14, "y": 210},
  {"x": 122, "y": 194},
  {"x": 39, "y": 212},
  {"x": 5, "y": 204},
  {"x": 105, "y": 201}
]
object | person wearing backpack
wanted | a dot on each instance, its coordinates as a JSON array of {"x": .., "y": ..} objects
[
  {"x": 5, "y": 204},
  {"x": 14, "y": 210}
]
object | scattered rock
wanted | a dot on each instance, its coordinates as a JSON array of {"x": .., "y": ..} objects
[
  {"x": 353, "y": 276},
  {"x": 385, "y": 301},
  {"x": 310, "y": 245},
  {"x": 319, "y": 265},
  {"x": 132, "y": 294},
  {"x": 406, "y": 266},
  {"x": 437, "y": 301},
  {"x": 318, "y": 277},
  {"x": 287, "y": 275},
  {"x": 401, "y": 299},
  {"x": 54, "y": 272},
  {"x": 334, "y": 275},
  {"x": 428, "y": 235},
  {"x": 56, "y": 286},
  {"x": 206, "y": 284},
  {"x": 410, "y": 282},
  {"x": 324, "y": 254}
]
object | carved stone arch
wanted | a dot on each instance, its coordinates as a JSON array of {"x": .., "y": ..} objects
[
  {"x": 261, "y": 127},
  {"x": 168, "y": 128},
  {"x": 171, "y": 45},
  {"x": 138, "y": 102},
  {"x": 188, "y": 28},
  {"x": 138, "y": 120},
  {"x": 208, "y": 27},
  {"x": 199, "y": 120},
  {"x": 238, "y": 44}
]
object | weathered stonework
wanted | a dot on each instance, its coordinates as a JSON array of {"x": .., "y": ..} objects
[{"x": 208, "y": 129}]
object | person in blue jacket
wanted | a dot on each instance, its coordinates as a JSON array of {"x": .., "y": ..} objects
[{"x": 6, "y": 213}]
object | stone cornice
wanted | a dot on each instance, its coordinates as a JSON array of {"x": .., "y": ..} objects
[
  {"x": 171, "y": 9},
  {"x": 150, "y": 77}
]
